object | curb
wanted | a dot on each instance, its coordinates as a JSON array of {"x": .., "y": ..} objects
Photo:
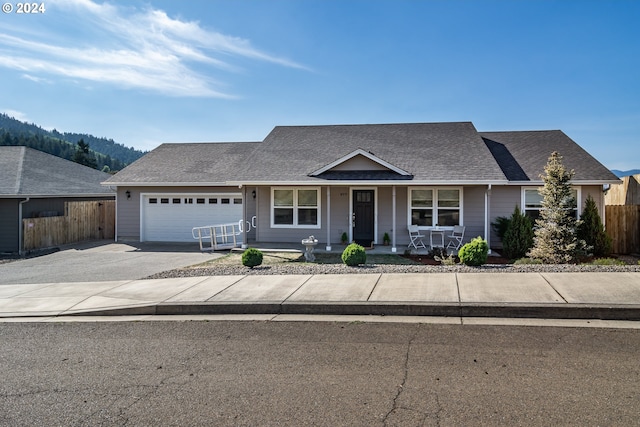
[{"x": 503, "y": 310}]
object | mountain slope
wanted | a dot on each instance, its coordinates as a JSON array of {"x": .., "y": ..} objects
[
  {"x": 620, "y": 173},
  {"x": 107, "y": 151}
]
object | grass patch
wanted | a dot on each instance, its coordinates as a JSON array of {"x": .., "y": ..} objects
[
  {"x": 607, "y": 261},
  {"x": 272, "y": 258},
  {"x": 388, "y": 259},
  {"x": 524, "y": 261}
]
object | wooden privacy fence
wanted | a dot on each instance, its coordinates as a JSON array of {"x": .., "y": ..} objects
[
  {"x": 623, "y": 225},
  {"x": 82, "y": 221}
]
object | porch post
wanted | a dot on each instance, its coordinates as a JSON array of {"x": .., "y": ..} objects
[
  {"x": 393, "y": 220},
  {"x": 245, "y": 234},
  {"x": 487, "y": 215},
  {"x": 328, "y": 247}
]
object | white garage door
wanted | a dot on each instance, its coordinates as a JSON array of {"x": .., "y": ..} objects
[{"x": 170, "y": 217}]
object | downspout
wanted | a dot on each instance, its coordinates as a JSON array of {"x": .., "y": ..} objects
[
  {"x": 20, "y": 232},
  {"x": 328, "y": 247}
]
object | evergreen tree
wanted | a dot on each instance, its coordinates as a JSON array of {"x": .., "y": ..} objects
[
  {"x": 518, "y": 238},
  {"x": 592, "y": 231},
  {"x": 555, "y": 239},
  {"x": 84, "y": 156}
]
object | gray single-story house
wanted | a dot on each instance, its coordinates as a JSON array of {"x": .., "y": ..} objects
[
  {"x": 362, "y": 180},
  {"x": 35, "y": 184}
]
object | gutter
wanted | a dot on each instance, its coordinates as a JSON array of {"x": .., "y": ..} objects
[{"x": 20, "y": 232}]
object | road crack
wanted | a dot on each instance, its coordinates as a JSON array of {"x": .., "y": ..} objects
[{"x": 395, "y": 407}]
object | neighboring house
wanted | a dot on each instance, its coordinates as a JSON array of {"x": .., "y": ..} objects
[
  {"x": 365, "y": 180},
  {"x": 36, "y": 184},
  {"x": 627, "y": 193}
]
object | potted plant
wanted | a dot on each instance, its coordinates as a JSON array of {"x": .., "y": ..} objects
[
  {"x": 386, "y": 239},
  {"x": 344, "y": 238}
]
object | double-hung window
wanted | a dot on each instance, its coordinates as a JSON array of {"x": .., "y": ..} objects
[
  {"x": 532, "y": 202},
  {"x": 295, "y": 207},
  {"x": 429, "y": 207}
]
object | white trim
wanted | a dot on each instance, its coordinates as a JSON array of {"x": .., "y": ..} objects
[
  {"x": 578, "y": 189},
  {"x": 295, "y": 208},
  {"x": 435, "y": 204},
  {"x": 360, "y": 152},
  {"x": 375, "y": 212}
]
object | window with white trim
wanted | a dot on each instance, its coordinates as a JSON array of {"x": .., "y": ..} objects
[
  {"x": 295, "y": 207},
  {"x": 429, "y": 207},
  {"x": 532, "y": 202}
]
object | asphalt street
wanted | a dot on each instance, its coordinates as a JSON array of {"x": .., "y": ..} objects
[{"x": 320, "y": 374}]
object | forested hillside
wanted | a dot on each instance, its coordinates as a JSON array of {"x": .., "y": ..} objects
[{"x": 65, "y": 145}]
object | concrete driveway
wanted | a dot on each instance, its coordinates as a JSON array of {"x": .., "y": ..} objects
[{"x": 102, "y": 261}]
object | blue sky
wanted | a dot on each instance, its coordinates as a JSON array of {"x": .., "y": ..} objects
[{"x": 148, "y": 72}]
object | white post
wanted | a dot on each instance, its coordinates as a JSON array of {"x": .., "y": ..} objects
[
  {"x": 394, "y": 249},
  {"x": 487, "y": 216},
  {"x": 245, "y": 233},
  {"x": 328, "y": 247}
]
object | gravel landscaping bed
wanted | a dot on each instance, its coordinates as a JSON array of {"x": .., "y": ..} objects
[{"x": 225, "y": 269}]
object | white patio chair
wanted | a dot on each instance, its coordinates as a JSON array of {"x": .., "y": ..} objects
[
  {"x": 416, "y": 237},
  {"x": 456, "y": 237}
]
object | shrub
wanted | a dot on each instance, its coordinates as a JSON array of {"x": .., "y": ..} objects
[
  {"x": 500, "y": 226},
  {"x": 251, "y": 257},
  {"x": 518, "y": 238},
  {"x": 592, "y": 231},
  {"x": 527, "y": 261},
  {"x": 475, "y": 252},
  {"x": 353, "y": 255}
]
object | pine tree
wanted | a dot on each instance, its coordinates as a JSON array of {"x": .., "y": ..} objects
[
  {"x": 592, "y": 231},
  {"x": 84, "y": 156},
  {"x": 518, "y": 238},
  {"x": 555, "y": 239}
]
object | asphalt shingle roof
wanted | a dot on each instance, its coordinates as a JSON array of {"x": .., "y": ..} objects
[
  {"x": 430, "y": 152},
  {"x": 188, "y": 163},
  {"x": 28, "y": 172},
  {"x": 522, "y": 155}
]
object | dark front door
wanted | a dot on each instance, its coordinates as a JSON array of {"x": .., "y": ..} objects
[{"x": 363, "y": 217}]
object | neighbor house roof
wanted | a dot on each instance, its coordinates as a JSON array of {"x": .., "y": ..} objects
[
  {"x": 28, "y": 172},
  {"x": 416, "y": 153},
  {"x": 523, "y": 155}
]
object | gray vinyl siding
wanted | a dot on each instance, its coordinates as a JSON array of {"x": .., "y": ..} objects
[
  {"x": 598, "y": 196},
  {"x": 9, "y": 223},
  {"x": 128, "y": 210},
  {"x": 473, "y": 219},
  {"x": 504, "y": 199}
]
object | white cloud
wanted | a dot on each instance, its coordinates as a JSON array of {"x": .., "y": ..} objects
[
  {"x": 131, "y": 48},
  {"x": 18, "y": 115}
]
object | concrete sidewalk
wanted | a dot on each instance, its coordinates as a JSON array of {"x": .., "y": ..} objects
[{"x": 613, "y": 296}]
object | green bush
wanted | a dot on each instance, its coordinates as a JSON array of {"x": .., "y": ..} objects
[
  {"x": 591, "y": 230},
  {"x": 353, "y": 255},
  {"x": 500, "y": 226},
  {"x": 475, "y": 252},
  {"x": 518, "y": 238},
  {"x": 251, "y": 257}
]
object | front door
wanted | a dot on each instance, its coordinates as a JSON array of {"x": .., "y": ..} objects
[{"x": 363, "y": 217}]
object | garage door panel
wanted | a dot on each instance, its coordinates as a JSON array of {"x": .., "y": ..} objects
[{"x": 170, "y": 218}]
